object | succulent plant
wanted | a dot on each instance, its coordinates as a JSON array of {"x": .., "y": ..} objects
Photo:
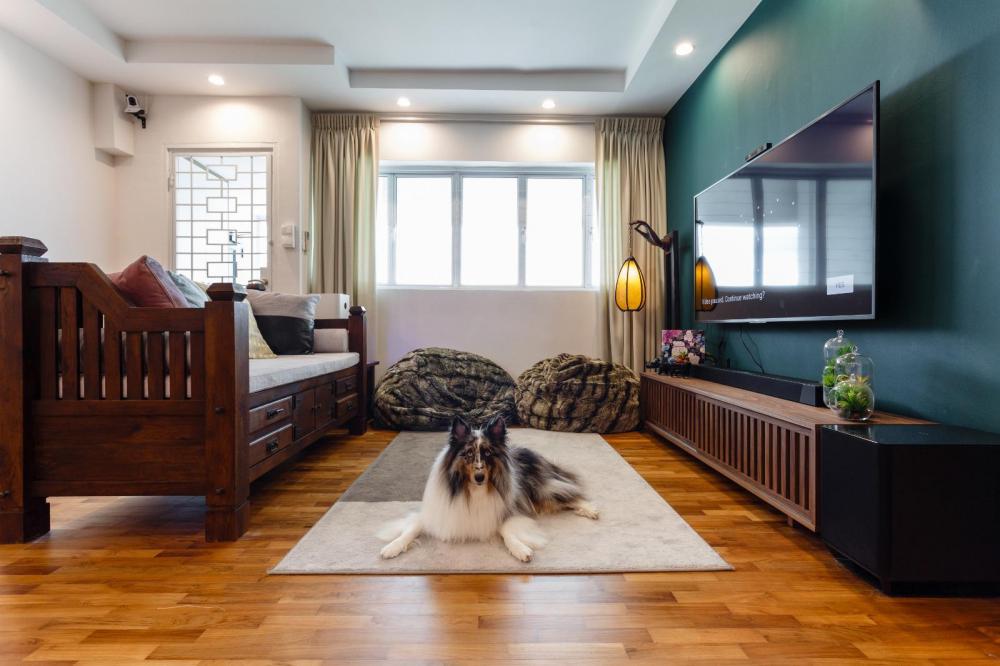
[
  {"x": 829, "y": 376},
  {"x": 853, "y": 401}
]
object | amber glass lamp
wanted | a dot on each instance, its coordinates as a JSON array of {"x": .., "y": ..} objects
[{"x": 630, "y": 287}]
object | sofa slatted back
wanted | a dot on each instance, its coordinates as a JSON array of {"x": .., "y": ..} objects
[{"x": 91, "y": 345}]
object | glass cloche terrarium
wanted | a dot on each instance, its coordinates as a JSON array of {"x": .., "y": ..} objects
[
  {"x": 833, "y": 349},
  {"x": 852, "y": 396}
]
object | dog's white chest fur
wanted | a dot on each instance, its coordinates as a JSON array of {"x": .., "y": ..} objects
[{"x": 473, "y": 515}]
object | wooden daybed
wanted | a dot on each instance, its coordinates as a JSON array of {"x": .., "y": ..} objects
[{"x": 193, "y": 427}]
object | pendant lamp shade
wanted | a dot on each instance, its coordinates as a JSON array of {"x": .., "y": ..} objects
[
  {"x": 630, "y": 288},
  {"x": 704, "y": 286}
]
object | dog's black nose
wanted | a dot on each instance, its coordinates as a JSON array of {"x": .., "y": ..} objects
[{"x": 479, "y": 477}]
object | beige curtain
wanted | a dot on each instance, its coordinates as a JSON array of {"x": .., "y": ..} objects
[
  {"x": 631, "y": 185},
  {"x": 343, "y": 199}
]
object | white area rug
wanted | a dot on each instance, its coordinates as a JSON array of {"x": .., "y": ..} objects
[{"x": 637, "y": 530}]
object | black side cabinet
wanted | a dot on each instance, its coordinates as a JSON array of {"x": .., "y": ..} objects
[{"x": 913, "y": 504}]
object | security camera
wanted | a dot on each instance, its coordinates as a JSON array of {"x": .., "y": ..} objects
[{"x": 134, "y": 109}]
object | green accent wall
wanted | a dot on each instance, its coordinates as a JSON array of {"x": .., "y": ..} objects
[{"x": 936, "y": 338}]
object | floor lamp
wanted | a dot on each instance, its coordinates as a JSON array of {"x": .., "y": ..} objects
[{"x": 630, "y": 287}]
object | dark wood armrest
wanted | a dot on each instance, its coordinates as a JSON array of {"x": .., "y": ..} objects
[
  {"x": 226, "y": 291},
  {"x": 331, "y": 323}
]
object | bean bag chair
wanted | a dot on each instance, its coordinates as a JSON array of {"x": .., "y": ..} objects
[
  {"x": 578, "y": 394},
  {"x": 427, "y": 388}
]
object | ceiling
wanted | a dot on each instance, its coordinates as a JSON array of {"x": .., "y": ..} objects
[{"x": 591, "y": 57}]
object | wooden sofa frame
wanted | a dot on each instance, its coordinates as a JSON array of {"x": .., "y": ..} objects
[{"x": 193, "y": 431}]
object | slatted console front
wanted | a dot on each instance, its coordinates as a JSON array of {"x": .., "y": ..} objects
[{"x": 766, "y": 445}]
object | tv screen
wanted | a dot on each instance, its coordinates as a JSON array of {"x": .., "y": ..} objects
[{"x": 790, "y": 235}]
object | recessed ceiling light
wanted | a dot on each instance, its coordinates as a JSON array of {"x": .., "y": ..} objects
[
  {"x": 403, "y": 101},
  {"x": 684, "y": 48},
  {"x": 548, "y": 104},
  {"x": 216, "y": 80}
]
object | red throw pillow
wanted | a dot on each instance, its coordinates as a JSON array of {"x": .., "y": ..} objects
[{"x": 147, "y": 285}]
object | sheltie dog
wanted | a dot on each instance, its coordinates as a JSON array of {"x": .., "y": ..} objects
[{"x": 480, "y": 486}]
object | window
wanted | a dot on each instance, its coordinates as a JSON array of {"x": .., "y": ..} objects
[
  {"x": 221, "y": 215},
  {"x": 490, "y": 233},
  {"x": 492, "y": 227}
]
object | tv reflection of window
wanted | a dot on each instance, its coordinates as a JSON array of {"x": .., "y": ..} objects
[
  {"x": 788, "y": 216},
  {"x": 728, "y": 248},
  {"x": 781, "y": 256}
]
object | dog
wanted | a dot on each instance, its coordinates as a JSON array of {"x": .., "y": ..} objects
[{"x": 480, "y": 486}]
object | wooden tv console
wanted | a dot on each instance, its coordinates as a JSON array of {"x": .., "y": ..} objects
[{"x": 766, "y": 445}]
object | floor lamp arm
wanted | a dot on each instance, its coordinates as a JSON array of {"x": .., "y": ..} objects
[{"x": 671, "y": 277}]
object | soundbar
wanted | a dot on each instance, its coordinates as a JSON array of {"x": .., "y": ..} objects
[{"x": 786, "y": 388}]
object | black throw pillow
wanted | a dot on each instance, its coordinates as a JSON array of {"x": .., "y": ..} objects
[{"x": 285, "y": 320}]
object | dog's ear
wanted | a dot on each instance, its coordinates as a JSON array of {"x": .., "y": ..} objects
[
  {"x": 496, "y": 430},
  {"x": 460, "y": 430}
]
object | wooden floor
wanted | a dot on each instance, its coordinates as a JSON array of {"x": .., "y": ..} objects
[{"x": 131, "y": 580}]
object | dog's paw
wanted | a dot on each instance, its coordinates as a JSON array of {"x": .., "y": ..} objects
[
  {"x": 391, "y": 550},
  {"x": 520, "y": 551},
  {"x": 587, "y": 510}
]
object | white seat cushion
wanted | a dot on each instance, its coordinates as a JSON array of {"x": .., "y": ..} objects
[{"x": 267, "y": 373}]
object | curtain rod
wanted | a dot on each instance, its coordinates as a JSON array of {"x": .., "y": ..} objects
[{"x": 485, "y": 118}]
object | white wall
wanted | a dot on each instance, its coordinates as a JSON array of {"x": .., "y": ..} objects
[
  {"x": 515, "y": 328},
  {"x": 486, "y": 142},
  {"x": 144, "y": 204},
  {"x": 53, "y": 185}
]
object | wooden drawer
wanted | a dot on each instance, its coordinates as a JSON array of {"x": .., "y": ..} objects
[
  {"x": 269, "y": 414},
  {"x": 347, "y": 385},
  {"x": 347, "y": 407},
  {"x": 325, "y": 405},
  {"x": 305, "y": 414},
  {"x": 269, "y": 444}
]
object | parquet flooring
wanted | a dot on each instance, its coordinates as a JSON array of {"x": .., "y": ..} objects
[{"x": 130, "y": 580}]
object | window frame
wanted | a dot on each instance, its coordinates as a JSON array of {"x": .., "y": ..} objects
[{"x": 522, "y": 173}]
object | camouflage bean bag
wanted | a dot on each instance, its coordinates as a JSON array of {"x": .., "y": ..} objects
[
  {"x": 578, "y": 394},
  {"x": 427, "y": 388}
]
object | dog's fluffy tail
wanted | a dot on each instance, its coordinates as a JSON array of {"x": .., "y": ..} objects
[
  {"x": 527, "y": 531},
  {"x": 395, "y": 528}
]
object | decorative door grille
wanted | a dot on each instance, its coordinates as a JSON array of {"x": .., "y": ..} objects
[{"x": 221, "y": 215}]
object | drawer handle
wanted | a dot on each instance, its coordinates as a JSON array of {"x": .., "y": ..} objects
[
  {"x": 271, "y": 413},
  {"x": 271, "y": 446},
  {"x": 350, "y": 406}
]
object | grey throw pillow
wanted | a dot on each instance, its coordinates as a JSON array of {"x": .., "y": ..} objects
[
  {"x": 285, "y": 320},
  {"x": 193, "y": 294}
]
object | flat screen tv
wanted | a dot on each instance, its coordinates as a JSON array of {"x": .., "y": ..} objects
[{"x": 790, "y": 235}]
